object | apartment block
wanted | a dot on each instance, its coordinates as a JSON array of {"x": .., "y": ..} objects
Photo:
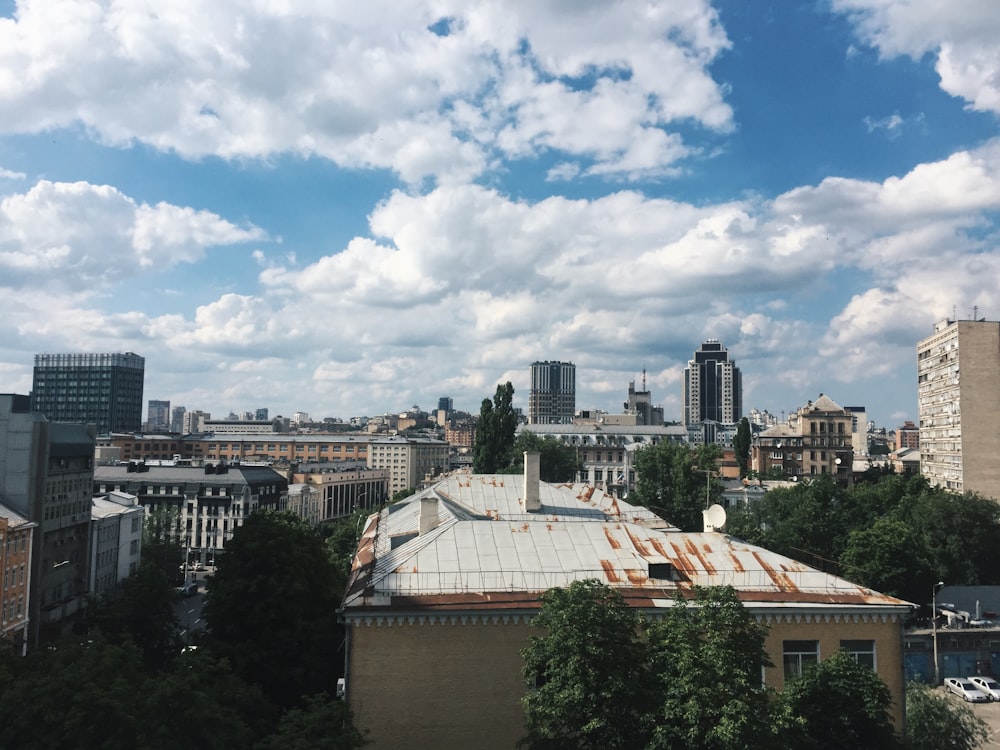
[
  {"x": 16, "y": 538},
  {"x": 817, "y": 439},
  {"x": 552, "y": 397}
]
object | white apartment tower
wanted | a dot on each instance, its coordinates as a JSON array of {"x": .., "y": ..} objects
[
  {"x": 552, "y": 398},
  {"x": 958, "y": 398}
]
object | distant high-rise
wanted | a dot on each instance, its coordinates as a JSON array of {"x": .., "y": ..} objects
[
  {"x": 713, "y": 386},
  {"x": 158, "y": 416},
  {"x": 177, "y": 419},
  {"x": 552, "y": 398},
  {"x": 446, "y": 404},
  {"x": 260, "y": 415},
  {"x": 958, "y": 399},
  {"x": 100, "y": 389}
]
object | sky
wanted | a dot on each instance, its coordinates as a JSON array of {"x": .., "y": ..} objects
[{"x": 349, "y": 209}]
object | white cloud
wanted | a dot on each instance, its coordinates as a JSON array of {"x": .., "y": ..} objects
[
  {"x": 960, "y": 35},
  {"x": 372, "y": 86},
  {"x": 891, "y": 125},
  {"x": 7, "y": 174},
  {"x": 84, "y": 237}
]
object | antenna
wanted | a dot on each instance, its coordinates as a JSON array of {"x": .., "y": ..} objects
[{"x": 643, "y": 378}]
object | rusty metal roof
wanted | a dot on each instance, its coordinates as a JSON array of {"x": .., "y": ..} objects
[{"x": 480, "y": 548}]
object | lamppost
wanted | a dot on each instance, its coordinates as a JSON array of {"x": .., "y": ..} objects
[
  {"x": 937, "y": 669},
  {"x": 708, "y": 484}
]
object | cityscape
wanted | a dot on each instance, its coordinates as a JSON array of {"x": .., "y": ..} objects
[{"x": 433, "y": 374}]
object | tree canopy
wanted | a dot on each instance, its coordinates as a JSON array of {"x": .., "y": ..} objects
[
  {"x": 495, "y": 432},
  {"x": 557, "y": 462},
  {"x": 674, "y": 481},
  {"x": 741, "y": 445},
  {"x": 935, "y": 722}
]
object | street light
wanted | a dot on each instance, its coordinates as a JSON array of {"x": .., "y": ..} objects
[
  {"x": 708, "y": 484},
  {"x": 937, "y": 669}
]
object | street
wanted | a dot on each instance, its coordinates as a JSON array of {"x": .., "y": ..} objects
[{"x": 188, "y": 609}]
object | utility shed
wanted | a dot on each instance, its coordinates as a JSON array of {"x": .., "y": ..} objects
[{"x": 445, "y": 583}]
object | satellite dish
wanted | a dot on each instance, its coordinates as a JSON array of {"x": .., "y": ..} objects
[{"x": 715, "y": 518}]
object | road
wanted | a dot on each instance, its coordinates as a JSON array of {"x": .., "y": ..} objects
[{"x": 188, "y": 610}]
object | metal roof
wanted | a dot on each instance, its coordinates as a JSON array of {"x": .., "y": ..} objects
[{"x": 481, "y": 549}]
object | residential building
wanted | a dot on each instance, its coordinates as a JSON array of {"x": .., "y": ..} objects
[
  {"x": 859, "y": 429},
  {"x": 194, "y": 421},
  {"x": 552, "y": 398},
  {"x": 158, "y": 416},
  {"x": 816, "y": 439},
  {"x": 445, "y": 586},
  {"x": 116, "y": 520},
  {"x": 46, "y": 474},
  {"x": 17, "y": 535},
  {"x": 336, "y": 491},
  {"x": 713, "y": 386},
  {"x": 209, "y": 502},
  {"x": 177, "y": 419},
  {"x": 958, "y": 400},
  {"x": 907, "y": 436},
  {"x": 410, "y": 461},
  {"x": 236, "y": 427},
  {"x": 100, "y": 389}
]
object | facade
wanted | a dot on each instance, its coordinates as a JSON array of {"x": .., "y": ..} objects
[
  {"x": 859, "y": 429},
  {"x": 445, "y": 586},
  {"x": 16, "y": 539},
  {"x": 552, "y": 398},
  {"x": 116, "y": 521},
  {"x": 236, "y": 427},
  {"x": 210, "y": 502},
  {"x": 907, "y": 436},
  {"x": 816, "y": 439},
  {"x": 336, "y": 492},
  {"x": 713, "y": 386},
  {"x": 958, "y": 397},
  {"x": 158, "y": 416},
  {"x": 46, "y": 473},
  {"x": 177, "y": 419},
  {"x": 409, "y": 460},
  {"x": 100, "y": 389}
]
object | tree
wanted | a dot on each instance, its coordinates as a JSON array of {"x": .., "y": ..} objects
[
  {"x": 934, "y": 722},
  {"x": 841, "y": 705},
  {"x": 586, "y": 675},
  {"x": 271, "y": 608},
  {"x": 342, "y": 542},
  {"x": 672, "y": 479},
  {"x": 161, "y": 540},
  {"x": 557, "y": 462},
  {"x": 888, "y": 557},
  {"x": 495, "y": 431},
  {"x": 741, "y": 445},
  {"x": 707, "y": 655},
  {"x": 321, "y": 724}
]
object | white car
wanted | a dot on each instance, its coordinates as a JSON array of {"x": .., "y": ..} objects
[
  {"x": 986, "y": 685},
  {"x": 964, "y": 688}
]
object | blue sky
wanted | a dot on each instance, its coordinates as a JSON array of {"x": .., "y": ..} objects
[{"x": 350, "y": 211}]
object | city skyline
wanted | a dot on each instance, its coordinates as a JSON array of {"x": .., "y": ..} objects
[{"x": 348, "y": 211}]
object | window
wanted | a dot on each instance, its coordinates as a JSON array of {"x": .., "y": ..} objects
[
  {"x": 797, "y": 655},
  {"x": 862, "y": 651}
]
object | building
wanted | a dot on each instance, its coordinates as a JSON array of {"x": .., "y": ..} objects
[
  {"x": 958, "y": 400},
  {"x": 194, "y": 421},
  {"x": 158, "y": 416},
  {"x": 177, "y": 419},
  {"x": 713, "y": 386},
  {"x": 116, "y": 521},
  {"x": 46, "y": 475},
  {"x": 445, "y": 585},
  {"x": 16, "y": 540},
  {"x": 859, "y": 429},
  {"x": 907, "y": 436},
  {"x": 235, "y": 427},
  {"x": 552, "y": 398},
  {"x": 816, "y": 439},
  {"x": 260, "y": 415},
  {"x": 640, "y": 404},
  {"x": 336, "y": 491},
  {"x": 209, "y": 502},
  {"x": 410, "y": 461},
  {"x": 100, "y": 389}
]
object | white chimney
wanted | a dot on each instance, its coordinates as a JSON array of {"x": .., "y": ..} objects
[
  {"x": 428, "y": 513},
  {"x": 532, "y": 498}
]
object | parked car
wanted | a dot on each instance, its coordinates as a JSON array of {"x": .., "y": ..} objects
[
  {"x": 968, "y": 691},
  {"x": 189, "y": 589},
  {"x": 987, "y": 685}
]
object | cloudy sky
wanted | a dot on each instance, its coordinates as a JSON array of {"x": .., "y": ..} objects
[{"x": 351, "y": 208}]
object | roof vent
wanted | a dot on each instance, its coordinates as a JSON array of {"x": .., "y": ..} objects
[
  {"x": 428, "y": 513},
  {"x": 532, "y": 495}
]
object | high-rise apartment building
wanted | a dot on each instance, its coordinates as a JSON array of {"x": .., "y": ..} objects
[
  {"x": 552, "y": 398},
  {"x": 158, "y": 416},
  {"x": 100, "y": 389},
  {"x": 958, "y": 400},
  {"x": 713, "y": 386}
]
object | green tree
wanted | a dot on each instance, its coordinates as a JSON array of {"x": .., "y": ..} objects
[
  {"x": 341, "y": 543},
  {"x": 142, "y": 615},
  {"x": 888, "y": 557},
  {"x": 161, "y": 541},
  {"x": 935, "y": 722},
  {"x": 741, "y": 445},
  {"x": 707, "y": 655},
  {"x": 586, "y": 676},
  {"x": 321, "y": 724},
  {"x": 271, "y": 608},
  {"x": 673, "y": 480},
  {"x": 557, "y": 462},
  {"x": 495, "y": 431},
  {"x": 840, "y": 705}
]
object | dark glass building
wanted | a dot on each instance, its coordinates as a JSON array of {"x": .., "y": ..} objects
[
  {"x": 713, "y": 386},
  {"x": 100, "y": 389},
  {"x": 552, "y": 398}
]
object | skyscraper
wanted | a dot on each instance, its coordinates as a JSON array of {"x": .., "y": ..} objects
[
  {"x": 158, "y": 416},
  {"x": 713, "y": 386},
  {"x": 100, "y": 389},
  {"x": 552, "y": 398},
  {"x": 958, "y": 400}
]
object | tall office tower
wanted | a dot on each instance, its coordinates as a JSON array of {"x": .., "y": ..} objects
[
  {"x": 100, "y": 389},
  {"x": 552, "y": 398},
  {"x": 446, "y": 404},
  {"x": 713, "y": 386},
  {"x": 47, "y": 477},
  {"x": 158, "y": 416},
  {"x": 260, "y": 415},
  {"x": 958, "y": 400},
  {"x": 177, "y": 419}
]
